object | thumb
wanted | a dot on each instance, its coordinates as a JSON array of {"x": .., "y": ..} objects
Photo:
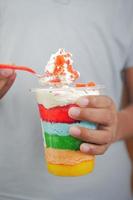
[
  {"x": 5, "y": 73},
  {"x": 6, "y": 83}
]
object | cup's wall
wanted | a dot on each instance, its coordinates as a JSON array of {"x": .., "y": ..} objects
[{"x": 62, "y": 151}]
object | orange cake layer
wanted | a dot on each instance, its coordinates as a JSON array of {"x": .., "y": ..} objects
[{"x": 66, "y": 157}]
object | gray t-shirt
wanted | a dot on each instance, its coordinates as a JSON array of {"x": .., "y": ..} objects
[{"x": 100, "y": 36}]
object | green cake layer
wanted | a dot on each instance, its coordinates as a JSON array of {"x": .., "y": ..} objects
[{"x": 61, "y": 142}]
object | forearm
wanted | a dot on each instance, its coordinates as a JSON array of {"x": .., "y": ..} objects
[{"x": 125, "y": 123}]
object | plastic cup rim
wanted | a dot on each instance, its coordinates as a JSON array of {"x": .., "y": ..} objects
[{"x": 97, "y": 87}]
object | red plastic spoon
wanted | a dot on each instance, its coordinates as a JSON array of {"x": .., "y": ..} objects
[{"x": 22, "y": 68}]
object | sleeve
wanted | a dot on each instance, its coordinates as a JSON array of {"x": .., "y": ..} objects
[{"x": 129, "y": 60}]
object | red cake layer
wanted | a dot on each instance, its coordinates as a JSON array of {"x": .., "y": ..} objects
[{"x": 56, "y": 114}]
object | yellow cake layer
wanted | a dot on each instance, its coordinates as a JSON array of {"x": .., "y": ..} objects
[
  {"x": 66, "y": 157},
  {"x": 80, "y": 169}
]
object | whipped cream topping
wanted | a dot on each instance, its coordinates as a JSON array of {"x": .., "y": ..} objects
[
  {"x": 59, "y": 70},
  {"x": 58, "y": 74},
  {"x": 53, "y": 97}
]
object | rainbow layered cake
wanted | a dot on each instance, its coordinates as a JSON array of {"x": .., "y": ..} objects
[{"x": 62, "y": 151}]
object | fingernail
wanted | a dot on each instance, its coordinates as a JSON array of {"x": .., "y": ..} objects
[
  {"x": 74, "y": 111},
  {"x": 85, "y": 148},
  {"x": 6, "y": 73},
  {"x": 83, "y": 102},
  {"x": 75, "y": 131}
]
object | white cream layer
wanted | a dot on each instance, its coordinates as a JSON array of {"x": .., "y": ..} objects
[{"x": 53, "y": 97}]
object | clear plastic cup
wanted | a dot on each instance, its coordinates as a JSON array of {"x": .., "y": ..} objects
[{"x": 62, "y": 151}]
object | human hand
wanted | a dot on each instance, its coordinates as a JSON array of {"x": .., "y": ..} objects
[
  {"x": 98, "y": 109},
  {"x": 7, "y": 77}
]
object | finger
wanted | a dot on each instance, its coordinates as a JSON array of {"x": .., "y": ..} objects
[
  {"x": 93, "y": 149},
  {"x": 5, "y": 73},
  {"x": 7, "y": 85},
  {"x": 97, "y": 101},
  {"x": 100, "y": 116},
  {"x": 91, "y": 136}
]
